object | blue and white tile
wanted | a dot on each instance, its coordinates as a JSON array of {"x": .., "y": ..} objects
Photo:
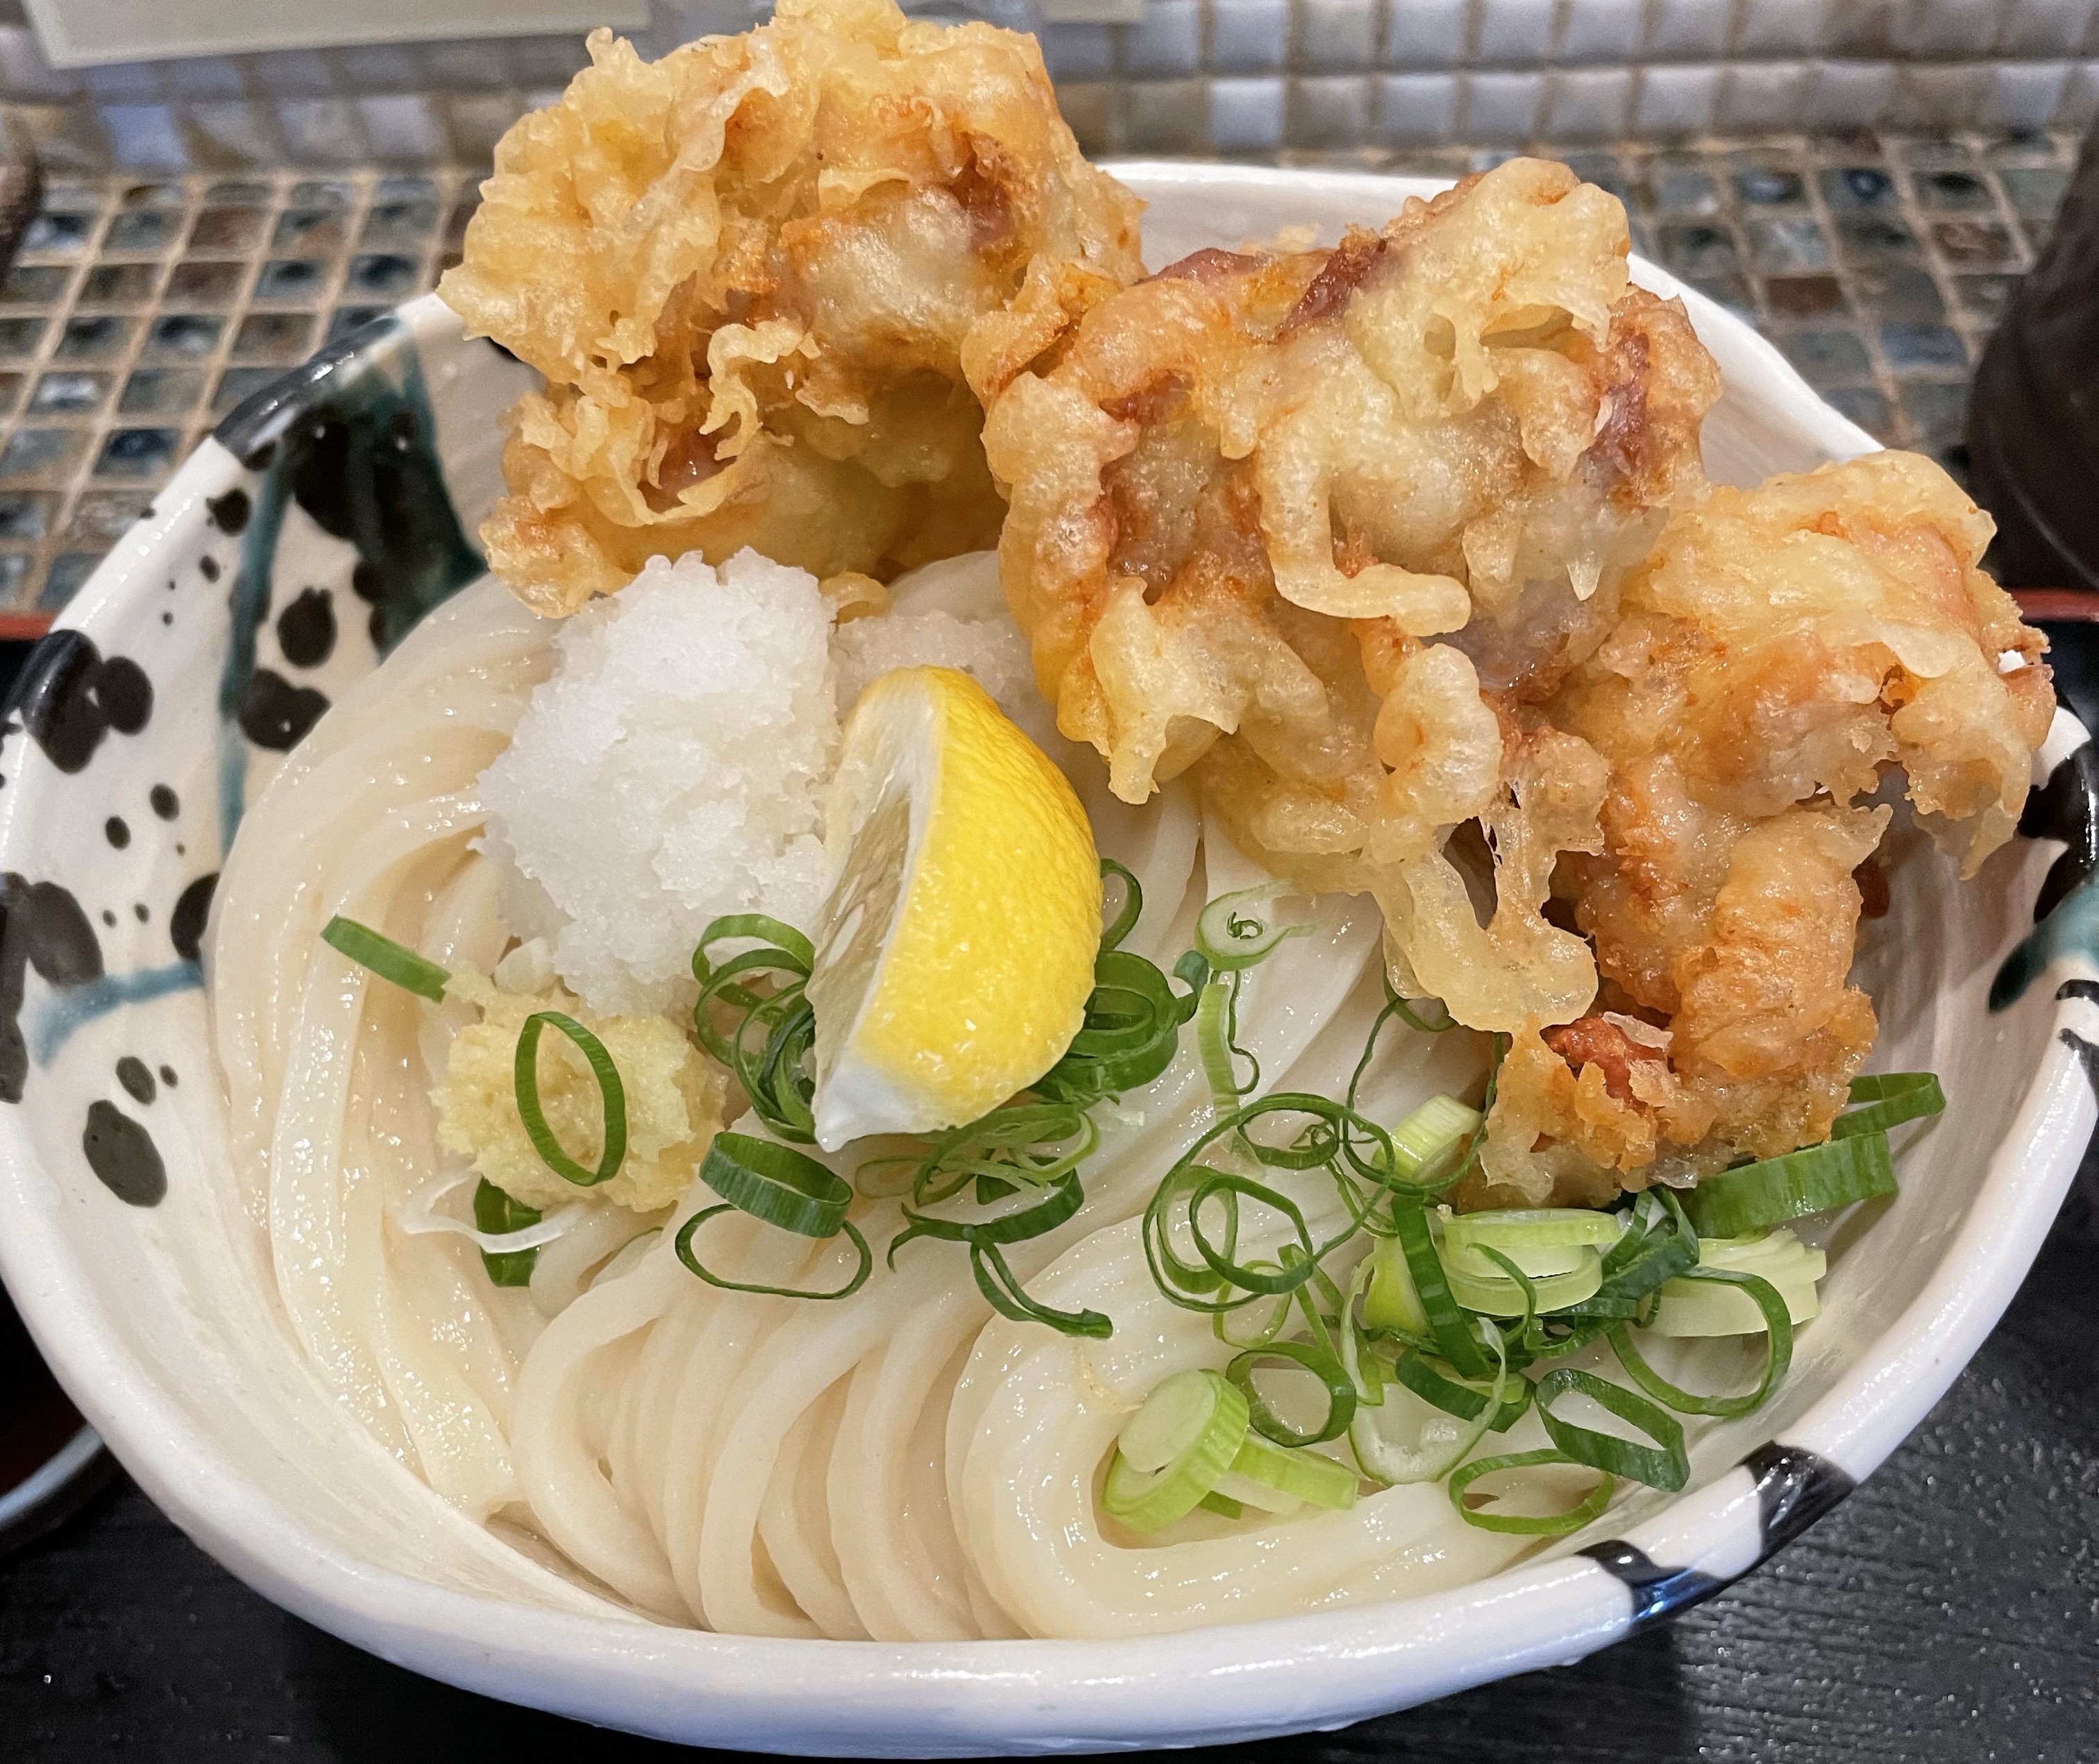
[
  {"x": 1674, "y": 101},
  {"x": 1337, "y": 35},
  {"x": 1416, "y": 109},
  {"x": 1425, "y": 33},
  {"x": 1602, "y": 30},
  {"x": 1501, "y": 106},
  {"x": 1247, "y": 115},
  {"x": 1587, "y": 104},
  {"x": 1249, "y": 36}
]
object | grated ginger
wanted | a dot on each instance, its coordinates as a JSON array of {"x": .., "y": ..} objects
[{"x": 675, "y": 1097}]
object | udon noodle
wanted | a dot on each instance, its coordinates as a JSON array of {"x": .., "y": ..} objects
[{"x": 901, "y": 1465}]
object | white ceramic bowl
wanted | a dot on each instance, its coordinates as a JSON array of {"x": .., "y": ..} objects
[{"x": 166, "y": 697}]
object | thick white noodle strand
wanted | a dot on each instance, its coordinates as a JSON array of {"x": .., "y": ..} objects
[{"x": 902, "y": 1464}]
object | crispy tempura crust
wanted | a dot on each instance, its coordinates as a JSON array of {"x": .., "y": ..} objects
[
  {"x": 1412, "y": 533},
  {"x": 1246, "y": 491},
  {"x": 1781, "y": 648},
  {"x": 769, "y": 280}
]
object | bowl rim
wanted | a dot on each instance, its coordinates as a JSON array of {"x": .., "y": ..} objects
[{"x": 1319, "y": 1669}]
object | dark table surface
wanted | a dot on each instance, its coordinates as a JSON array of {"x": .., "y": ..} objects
[{"x": 1948, "y": 1613}]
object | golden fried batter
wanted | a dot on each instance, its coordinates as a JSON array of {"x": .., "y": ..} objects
[
  {"x": 1781, "y": 648},
  {"x": 1405, "y": 548},
  {"x": 1245, "y": 490},
  {"x": 769, "y": 280}
]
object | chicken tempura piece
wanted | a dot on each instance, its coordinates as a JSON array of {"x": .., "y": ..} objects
[
  {"x": 771, "y": 280},
  {"x": 1781, "y": 649},
  {"x": 1248, "y": 493}
]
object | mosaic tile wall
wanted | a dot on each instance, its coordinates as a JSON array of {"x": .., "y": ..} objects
[
  {"x": 140, "y": 310},
  {"x": 1190, "y": 76}
]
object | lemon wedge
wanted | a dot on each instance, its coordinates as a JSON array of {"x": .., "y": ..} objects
[{"x": 956, "y": 951}]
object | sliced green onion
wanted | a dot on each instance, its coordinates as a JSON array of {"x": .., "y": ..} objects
[
  {"x": 1485, "y": 1261},
  {"x": 1231, "y": 935},
  {"x": 777, "y": 1184},
  {"x": 1502, "y": 1294},
  {"x": 1590, "y": 1508},
  {"x": 1778, "y": 1348},
  {"x": 1692, "y": 1308},
  {"x": 1456, "y": 1336},
  {"x": 1050, "y": 1208},
  {"x": 1341, "y": 1389},
  {"x": 525, "y": 1077},
  {"x": 1464, "y": 1398},
  {"x": 769, "y": 1049},
  {"x": 1003, "y": 1292},
  {"x": 1516, "y": 1229},
  {"x": 776, "y": 935},
  {"x": 1047, "y": 1209},
  {"x": 1169, "y": 1423},
  {"x": 1132, "y": 904},
  {"x": 1663, "y": 1465},
  {"x": 1265, "y": 1473},
  {"x": 1130, "y": 1034},
  {"x": 781, "y": 1186},
  {"x": 1442, "y": 1443},
  {"x": 1222, "y": 1505},
  {"x": 385, "y": 957},
  {"x": 1413, "y": 1020},
  {"x": 1249, "y": 1333},
  {"x": 1172, "y": 1450},
  {"x": 1754, "y": 1197},
  {"x": 1431, "y": 1139},
  {"x": 1391, "y": 1303},
  {"x": 683, "y": 1244},
  {"x": 1182, "y": 1196},
  {"x": 1028, "y": 1144},
  {"x": 1657, "y": 1244},
  {"x": 494, "y": 1212},
  {"x": 1214, "y": 1041},
  {"x": 1882, "y": 1100}
]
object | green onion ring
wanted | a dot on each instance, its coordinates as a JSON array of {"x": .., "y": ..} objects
[
  {"x": 1778, "y": 1351},
  {"x": 1455, "y": 1398},
  {"x": 784, "y": 939},
  {"x": 1132, "y": 908},
  {"x": 682, "y": 1243},
  {"x": 1662, "y": 1465},
  {"x": 1231, "y": 940},
  {"x": 1406, "y": 1014},
  {"x": 1322, "y": 1364},
  {"x": 768, "y": 1051},
  {"x": 1129, "y": 1035},
  {"x": 1455, "y": 1334},
  {"x": 1525, "y": 1524},
  {"x": 1882, "y": 1100},
  {"x": 494, "y": 1212},
  {"x": 525, "y": 1080},
  {"x": 1248, "y": 1279},
  {"x": 1658, "y": 1245},
  {"x": 1211, "y": 1044},
  {"x": 1057, "y": 1204},
  {"x": 1004, "y": 1293},
  {"x": 1754, "y": 1197},
  {"x": 380, "y": 955},
  {"x": 1280, "y": 1305},
  {"x": 1032, "y": 1143},
  {"x": 777, "y": 1184}
]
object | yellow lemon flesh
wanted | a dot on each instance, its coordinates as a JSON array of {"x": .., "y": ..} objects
[{"x": 956, "y": 952}]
